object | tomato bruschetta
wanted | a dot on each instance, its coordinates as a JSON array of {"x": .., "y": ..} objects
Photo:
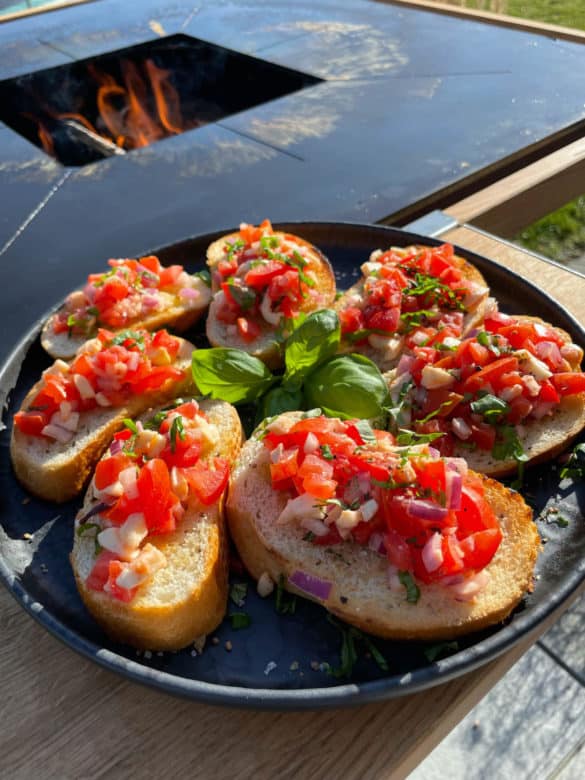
[
  {"x": 397, "y": 541},
  {"x": 135, "y": 294},
  {"x": 68, "y": 418},
  {"x": 404, "y": 295},
  {"x": 150, "y": 550},
  {"x": 262, "y": 280}
]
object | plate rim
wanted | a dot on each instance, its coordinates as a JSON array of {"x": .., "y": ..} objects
[{"x": 346, "y": 694}]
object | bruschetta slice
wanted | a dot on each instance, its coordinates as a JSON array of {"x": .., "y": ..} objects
[
  {"x": 404, "y": 296},
  {"x": 150, "y": 551},
  {"x": 262, "y": 280},
  {"x": 513, "y": 392},
  {"x": 68, "y": 418},
  {"x": 399, "y": 542},
  {"x": 135, "y": 294}
]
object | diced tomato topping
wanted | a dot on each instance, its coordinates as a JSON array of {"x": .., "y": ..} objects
[
  {"x": 121, "y": 594},
  {"x": 108, "y": 469},
  {"x": 30, "y": 423},
  {"x": 100, "y": 572},
  {"x": 261, "y": 275},
  {"x": 208, "y": 480},
  {"x": 490, "y": 374},
  {"x": 569, "y": 383}
]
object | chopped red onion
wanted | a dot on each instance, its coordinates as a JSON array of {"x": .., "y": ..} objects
[
  {"x": 470, "y": 587},
  {"x": 116, "y": 447},
  {"x": 434, "y": 453},
  {"x": 376, "y": 544},
  {"x": 432, "y": 553},
  {"x": 311, "y": 585},
  {"x": 404, "y": 364},
  {"x": 457, "y": 464},
  {"x": 548, "y": 350},
  {"x": 426, "y": 510},
  {"x": 95, "y": 510},
  {"x": 189, "y": 293},
  {"x": 453, "y": 486}
]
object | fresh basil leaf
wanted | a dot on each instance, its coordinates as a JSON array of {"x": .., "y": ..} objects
[
  {"x": 312, "y": 342},
  {"x": 230, "y": 374},
  {"x": 349, "y": 654},
  {"x": 136, "y": 339},
  {"x": 277, "y": 401},
  {"x": 347, "y": 386},
  {"x": 490, "y": 407},
  {"x": 326, "y": 452},
  {"x": 412, "y": 589}
]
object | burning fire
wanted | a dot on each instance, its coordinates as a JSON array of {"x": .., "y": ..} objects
[{"x": 144, "y": 108}]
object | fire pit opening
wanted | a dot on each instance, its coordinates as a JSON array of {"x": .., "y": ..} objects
[{"x": 123, "y": 100}]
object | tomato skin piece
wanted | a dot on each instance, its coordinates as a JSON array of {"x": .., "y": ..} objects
[
  {"x": 99, "y": 574},
  {"x": 115, "y": 591},
  {"x": 30, "y": 423},
  {"x": 108, "y": 470},
  {"x": 286, "y": 467},
  {"x": 261, "y": 276},
  {"x": 351, "y": 319},
  {"x": 479, "y": 548},
  {"x": 208, "y": 484},
  {"x": 490, "y": 374},
  {"x": 483, "y": 436},
  {"x": 569, "y": 382}
]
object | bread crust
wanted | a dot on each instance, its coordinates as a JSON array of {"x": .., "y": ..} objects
[
  {"x": 197, "y": 558},
  {"x": 173, "y": 315},
  {"x": 266, "y": 347},
  {"x": 471, "y": 320},
  {"x": 58, "y": 472},
  {"x": 360, "y": 594}
]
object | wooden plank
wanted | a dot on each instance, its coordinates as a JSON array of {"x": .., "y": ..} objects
[
  {"x": 502, "y": 20},
  {"x": 512, "y": 203}
]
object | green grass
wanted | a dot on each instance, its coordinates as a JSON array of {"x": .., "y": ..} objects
[
  {"x": 560, "y": 235},
  {"x": 569, "y": 13}
]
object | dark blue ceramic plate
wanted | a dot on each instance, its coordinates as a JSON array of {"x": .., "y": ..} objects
[{"x": 280, "y": 661}]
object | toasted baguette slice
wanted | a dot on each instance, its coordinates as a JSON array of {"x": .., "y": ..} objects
[
  {"x": 186, "y": 599},
  {"x": 387, "y": 357},
  {"x": 540, "y": 439},
  {"x": 57, "y": 471},
  {"x": 360, "y": 594},
  {"x": 174, "y": 312},
  {"x": 266, "y": 347}
]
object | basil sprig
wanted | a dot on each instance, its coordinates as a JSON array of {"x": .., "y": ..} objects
[
  {"x": 341, "y": 385},
  {"x": 231, "y": 375}
]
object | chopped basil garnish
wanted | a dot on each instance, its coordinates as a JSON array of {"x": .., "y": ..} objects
[
  {"x": 244, "y": 296},
  {"x": 441, "y": 648},
  {"x": 490, "y": 407},
  {"x": 136, "y": 339},
  {"x": 286, "y": 603},
  {"x": 412, "y": 589},
  {"x": 349, "y": 654},
  {"x": 326, "y": 452},
  {"x": 83, "y": 527},
  {"x": 309, "y": 536},
  {"x": 176, "y": 430},
  {"x": 131, "y": 425},
  {"x": 575, "y": 466},
  {"x": 240, "y": 620},
  {"x": 204, "y": 275},
  {"x": 508, "y": 446},
  {"x": 238, "y": 593},
  {"x": 407, "y": 438}
]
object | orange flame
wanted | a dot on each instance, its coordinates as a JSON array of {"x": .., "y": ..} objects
[{"x": 143, "y": 109}]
